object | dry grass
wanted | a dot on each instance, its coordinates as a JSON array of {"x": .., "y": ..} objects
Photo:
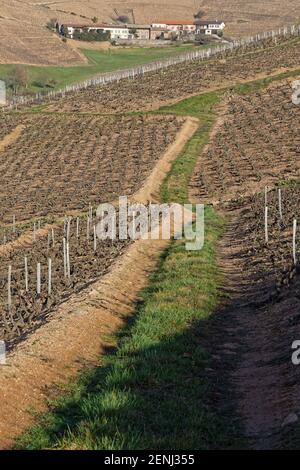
[{"x": 24, "y": 38}]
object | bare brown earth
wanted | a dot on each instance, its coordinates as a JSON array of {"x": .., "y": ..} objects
[
  {"x": 24, "y": 38},
  {"x": 77, "y": 334},
  {"x": 11, "y": 138},
  {"x": 255, "y": 144},
  {"x": 255, "y": 326},
  {"x": 101, "y": 157},
  {"x": 262, "y": 123},
  {"x": 180, "y": 81}
]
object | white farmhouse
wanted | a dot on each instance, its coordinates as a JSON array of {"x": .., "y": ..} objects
[
  {"x": 116, "y": 31},
  {"x": 178, "y": 27},
  {"x": 209, "y": 27}
]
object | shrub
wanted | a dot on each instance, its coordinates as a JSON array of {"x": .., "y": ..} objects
[{"x": 86, "y": 35}]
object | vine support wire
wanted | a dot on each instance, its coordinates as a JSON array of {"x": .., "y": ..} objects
[
  {"x": 294, "y": 241},
  {"x": 26, "y": 273}
]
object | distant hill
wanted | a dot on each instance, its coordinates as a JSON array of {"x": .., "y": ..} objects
[{"x": 24, "y": 37}]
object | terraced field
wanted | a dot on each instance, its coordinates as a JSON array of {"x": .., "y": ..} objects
[
  {"x": 175, "y": 82},
  {"x": 223, "y": 320},
  {"x": 88, "y": 262},
  {"x": 256, "y": 145},
  {"x": 61, "y": 164}
]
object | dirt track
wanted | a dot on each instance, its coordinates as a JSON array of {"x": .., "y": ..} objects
[
  {"x": 256, "y": 333},
  {"x": 78, "y": 332}
]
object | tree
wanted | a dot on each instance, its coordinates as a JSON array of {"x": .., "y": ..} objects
[
  {"x": 199, "y": 14},
  {"x": 52, "y": 24},
  {"x": 123, "y": 19},
  {"x": 133, "y": 32},
  {"x": 95, "y": 19},
  {"x": 18, "y": 78}
]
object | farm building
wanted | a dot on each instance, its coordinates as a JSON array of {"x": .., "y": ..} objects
[
  {"x": 180, "y": 28},
  {"x": 116, "y": 31},
  {"x": 209, "y": 27},
  {"x": 159, "y": 33},
  {"x": 139, "y": 31}
]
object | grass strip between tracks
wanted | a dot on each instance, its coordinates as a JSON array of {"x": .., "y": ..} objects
[{"x": 152, "y": 392}]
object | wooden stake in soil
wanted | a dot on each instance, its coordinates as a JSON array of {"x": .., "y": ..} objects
[
  {"x": 68, "y": 261},
  {"x": 14, "y": 224},
  {"x": 294, "y": 241},
  {"x": 34, "y": 232},
  {"x": 9, "y": 288},
  {"x": 26, "y": 273},
  {"x": 280, "y": 203},
  {"x": 38, "y": 278},
  {"x": 77, "y": 227},
  {"x": 48, "y": 242},
  {"x": 68, "y": 228},
  {"x": 65, "y": 225},
  {"x": 266, "y": 225},
  {"x": 49, "y": 276},
  {"x": 65, "y": 257},
  {"x": 266, "y": 195},
  {"x": 88, "y": 230},
  {"x": 53, "y": 241},
  {"x": 95, "y": 239}
]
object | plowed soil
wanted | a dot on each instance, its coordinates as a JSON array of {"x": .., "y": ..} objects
[
  {"x": 186, "y": 79},
  {"x": 102, "y": 158}
]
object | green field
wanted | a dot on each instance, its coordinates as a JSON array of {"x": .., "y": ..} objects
[{"x": 99, "y": 62}]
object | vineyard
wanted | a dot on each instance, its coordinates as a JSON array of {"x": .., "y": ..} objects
[
  {"x": 255, "y": 125},
  {"x": 59, "y": 165},
  {"x": 213, "y": 328},
  {"x": 261, "y": 300},
  {"x": 33, "y": 298},
  {"x": 101, "y": 157},
  {"x": 153, "y": 88}
]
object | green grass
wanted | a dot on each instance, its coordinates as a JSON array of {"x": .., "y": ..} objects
[
  {"x": 99, "y": 62},
  {"x": 115, "y": 59},
  {"x": 152, "y": 393}
]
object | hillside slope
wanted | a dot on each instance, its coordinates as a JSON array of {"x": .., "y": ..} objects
[{"x": 24, "y": 37}]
